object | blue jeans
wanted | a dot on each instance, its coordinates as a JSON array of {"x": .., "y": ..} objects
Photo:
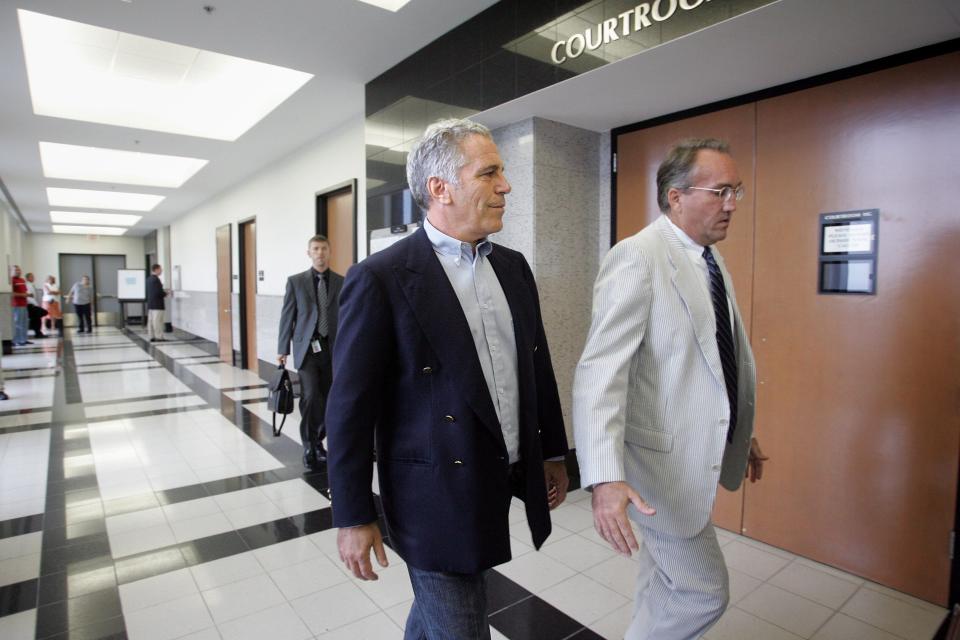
[
  {"x": 447, "y": 606},
  {"x": 20, "y": 320}
]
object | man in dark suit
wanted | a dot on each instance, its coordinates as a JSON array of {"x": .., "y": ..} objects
[
  {"x": 155, "y": 305},
  {"x": 309, "y": 319},
  {"x": 442, "y": 362}
]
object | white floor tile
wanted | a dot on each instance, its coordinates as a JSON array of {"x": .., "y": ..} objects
[
  {"x": 390, "y": 589},
  {"x": 278, "y": 622},
  {"x": 741, "y": 585},
  {"x": 218, "y": 573},
  {"x": 614, "y": 625},
  {"x": 618, "y": 573},
  {"x": 572, "y": 518},
  {"x": 131, "y": 542},
  {"x": 208, "y": 525},
  {"x": 19, "y": 626},
  {"x": 19, "y": 569},
  {"x": 753, "y": 561},
  {"x": 155, "y": 590},
  {"x": 737, "y": 624},
  {"x": 24, "y": 419},
  {"x": 241, "y": 598},
  {"x": 815, "y": 585},
  {"x": 376, "y": 627},
  {"x": 286, "y": 553},
  {"x": 535, "y": 571},
  {"x": 169, "y": 620},
  {"x": 583, "y": 599},
  {"x": 786, "y": 610},
  {"x": 248, "y": 394},
  {"x": 577, "y": 552},
  {"x": 307, "y": 576},
  {"x": 893, "y": 615},
  {"x": 254, "y": 514},
  {"x": 23, "y": 545},
  {"x": 333, "y": 608},
  {"x": 239, "y": 499},
  {"x": 223, "y": 376},
  {"x": 842, "y": 627}
]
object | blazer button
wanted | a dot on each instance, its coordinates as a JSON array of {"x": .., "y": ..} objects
[
  {"x": 449, "y": 418},
  {"x": 458, "y": 462},
  {"x": 426, "y": 370}
]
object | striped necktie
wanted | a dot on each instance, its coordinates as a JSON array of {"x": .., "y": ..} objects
[
  {"x": 728, "y": 354},
  {"x": 322, "y": 322}
]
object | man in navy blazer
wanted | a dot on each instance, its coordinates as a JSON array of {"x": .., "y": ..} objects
[{"x": 442, "y": 365}]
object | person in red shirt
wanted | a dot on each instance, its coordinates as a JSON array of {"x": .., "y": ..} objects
[{"x": 19, "y": 302}]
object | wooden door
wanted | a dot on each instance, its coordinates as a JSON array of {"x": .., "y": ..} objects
[
  {"x": 859, "y": 406},
  {"x": 224, "y": 294},
  {"x": 638, "y": 156},
  {"x": 341, "y": 231},
  {"x": 248, "y": 253}
]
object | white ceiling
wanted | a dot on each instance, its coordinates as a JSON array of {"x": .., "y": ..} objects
[
  {"x": 781, "y": 42},
  {"x": 343, "y": 43}
]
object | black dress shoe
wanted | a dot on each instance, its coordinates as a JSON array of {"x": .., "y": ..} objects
[
  {"x": 4, "y": 396},
  {"x": 309, "y": 460},
  {"x": 321, "y": 454}
]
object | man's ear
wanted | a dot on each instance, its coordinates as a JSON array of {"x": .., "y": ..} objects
[
  {"x": 673, "y": 199},
  {"x": 439, "y": 190}
]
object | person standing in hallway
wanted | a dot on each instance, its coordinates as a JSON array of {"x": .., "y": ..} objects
[
  {"x": 309, "y": 320},
  {"x": 18, "y": 299},
  {"x": 3, "y": 393},
  {"x": 664, "y": 394},
  {"x": 442, "y": 361},
  {"x": 155, "y": 305},
  {"x": 81, "y": 295},
  {"x": 51, "y": 303},
  {"x": 34, "y": 312}
]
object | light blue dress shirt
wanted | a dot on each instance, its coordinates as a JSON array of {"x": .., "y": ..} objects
[{"x": 491, "y": 325}]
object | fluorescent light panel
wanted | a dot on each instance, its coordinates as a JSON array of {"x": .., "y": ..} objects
[
  {"x": 389, "y": 5},
  {"x": 84, "y": 217},
  {"x": 82, "y": 72},
  {"x": 72, "y": 162},
  {"x": 90, "y": 199},
  {"x": 89, "y": 231}
]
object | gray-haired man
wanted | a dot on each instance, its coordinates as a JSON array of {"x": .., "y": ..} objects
[{"x": 442, "y": 359}]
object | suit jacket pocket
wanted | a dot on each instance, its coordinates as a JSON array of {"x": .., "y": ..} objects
[{"x": 649, "y": 438}]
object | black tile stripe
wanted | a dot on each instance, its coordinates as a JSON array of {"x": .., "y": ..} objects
[
  {"x": 17, "y": 597},
  {"x": 162, "y": 396},
  {"x": 145, "y": 414},
  {"x": 91, "y": 364},
  {"x": 14, "y": 412}
]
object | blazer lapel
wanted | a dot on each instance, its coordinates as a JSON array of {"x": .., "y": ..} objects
[
  {"x": 438, "y": 311},
  {"x": 698, "y": 305}
]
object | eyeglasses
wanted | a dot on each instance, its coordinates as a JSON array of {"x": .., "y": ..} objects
[{"x": 724, "y": 193}]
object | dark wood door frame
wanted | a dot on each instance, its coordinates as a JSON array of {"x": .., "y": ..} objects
[
  {"x": 321, "y": 203},
  {"x": 248, "y": 360}
]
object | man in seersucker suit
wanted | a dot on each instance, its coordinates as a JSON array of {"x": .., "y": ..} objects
[{"x": 664, "y": 394}]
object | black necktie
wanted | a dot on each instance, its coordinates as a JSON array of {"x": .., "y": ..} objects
[
  {"x": 322, "y": 324},
  {"x": 728, "y": 354}
]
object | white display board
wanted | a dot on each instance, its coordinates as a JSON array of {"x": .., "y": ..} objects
[
  {"x": 380, "y": 239},
  {"x": 131, "y": 284}
]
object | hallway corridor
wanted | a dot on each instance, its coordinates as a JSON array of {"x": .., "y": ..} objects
[{"x": 143, "y": 496}]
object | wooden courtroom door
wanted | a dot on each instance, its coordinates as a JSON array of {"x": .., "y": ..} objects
[{"x": 224, "y": 294}]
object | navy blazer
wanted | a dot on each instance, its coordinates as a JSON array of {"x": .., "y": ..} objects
[{"x": 407, "y": 378}]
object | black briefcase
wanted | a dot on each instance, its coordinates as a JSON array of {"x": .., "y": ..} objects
[{"x": 280, "y": 398}]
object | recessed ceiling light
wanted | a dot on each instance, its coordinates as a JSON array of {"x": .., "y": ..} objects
[
  {"x": 84, "y": 217},
  {"x": 89, "y": 231},
  {"x": 389, "y": 5},
  {"x": 90, "y": 199},
  {"x": 82, "y": 72},
  {"x": 72, "y": 162}
]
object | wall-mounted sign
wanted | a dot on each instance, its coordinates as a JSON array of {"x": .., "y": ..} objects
[
  {"x": 848, "y": 252},
  {"x": 642, "y": 16}
]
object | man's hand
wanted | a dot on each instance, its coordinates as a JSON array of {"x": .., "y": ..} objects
[
  {"x": 354, "y": 544},
  {"x": 755, "y": 461},
  {"x": 555, "y": 474},
  {"x": 610, "y": 500},
  {"x": 282, "y": 360}
]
